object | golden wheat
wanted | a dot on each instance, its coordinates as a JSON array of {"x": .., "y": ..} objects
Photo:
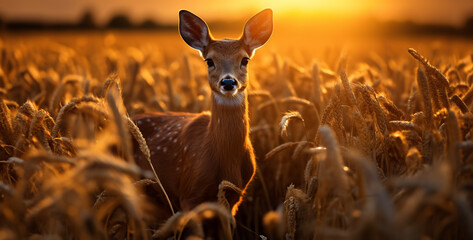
[{"x": 384, "y": 151}]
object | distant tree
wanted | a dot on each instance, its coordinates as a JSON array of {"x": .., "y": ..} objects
[
  {"x": 468, "y": 26},
  {"x": 120, "y": 21},
  {"x": 149, "y": 24},
  {"x": 87, "y": 20}
]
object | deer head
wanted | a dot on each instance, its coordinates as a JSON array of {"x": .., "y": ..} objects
[{"x": 227, "y": 59}]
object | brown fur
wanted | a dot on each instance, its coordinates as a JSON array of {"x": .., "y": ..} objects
[
  {"x": 227, "y": 53},
  {"x": 193, "y": 153}
]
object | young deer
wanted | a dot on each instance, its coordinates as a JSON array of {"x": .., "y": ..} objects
[{"x": 194, "y": 153}]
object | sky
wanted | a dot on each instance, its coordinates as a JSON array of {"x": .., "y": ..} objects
[{"x": 451, "y": 12}]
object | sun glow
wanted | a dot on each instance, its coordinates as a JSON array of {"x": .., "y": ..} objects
[
  {"x": 330, "y": 17},
  {"x": 304, "y": 8}
]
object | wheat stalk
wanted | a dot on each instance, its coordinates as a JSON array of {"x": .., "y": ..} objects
[
  {"x": 59, "y": 92},
  {"x": 287, "y": 118},
  {"x": 332, "y": 179},
  {"x": 136, "y": 133},
  {"x": 222, "y": 188},
  {"x": 38, "y": 130},
  {"x": 460, "y": 104},
  {"x": 411, "y": 102},
  {"x": 453, "y": 140},
  {"x": 424, "y": 90},
  {"x": 292, "y": 206},
  {"x": 328, "y": 113},
  {"x": 68, "y": 108},
  {"x": 390, "y": 107},
  {"x": 194, "y": 220},
  {"x": 468, "y": 97},
  {"x": 120, "y": 125},
  {"x": 283, "y": 146},
  {"x": 439, "y": 81},
  {"x": 112, "y": 80},
  {"x": 365, "y": 135},
  {"x": 6, "y": 127},
  {"x": 346, "y": 83},
  {"x": 405, "y": 125}
]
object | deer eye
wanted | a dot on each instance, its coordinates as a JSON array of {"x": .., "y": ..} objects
[
  {"x": 244, "y": 61},
  {"x": 210, "y": 62}
]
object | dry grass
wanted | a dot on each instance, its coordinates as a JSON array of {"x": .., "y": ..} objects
[{"x": 384, "y": 151}]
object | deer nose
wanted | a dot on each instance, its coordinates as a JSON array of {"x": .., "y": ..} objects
[{"x": 228, "y": 84}]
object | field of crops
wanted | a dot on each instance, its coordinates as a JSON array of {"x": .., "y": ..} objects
[{"x": 370, "y": 139}]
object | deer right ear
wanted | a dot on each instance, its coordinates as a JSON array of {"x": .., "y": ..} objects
[
  {"x": 258, "y": 30},
  {"x": 193, "y": 30}
]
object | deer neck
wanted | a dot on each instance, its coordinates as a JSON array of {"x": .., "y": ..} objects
[{"x": 229, "y": 126}]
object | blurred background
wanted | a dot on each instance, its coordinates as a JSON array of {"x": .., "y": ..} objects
[{"x": 327, "y": 17}]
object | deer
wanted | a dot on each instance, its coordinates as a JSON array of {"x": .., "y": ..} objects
[{"x": 194, "y": 152}]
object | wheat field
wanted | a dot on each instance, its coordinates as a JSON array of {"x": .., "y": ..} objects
[{"x": 369, "y": 140}]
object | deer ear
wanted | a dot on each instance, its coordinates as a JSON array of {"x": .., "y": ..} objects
[
  {"x": 193, "y": 30},
  {"x": 258, "y": 29}
]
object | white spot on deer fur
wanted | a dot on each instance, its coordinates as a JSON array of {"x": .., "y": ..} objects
[
  {"x": 185, "y": 148},
  {"x": 139, "y": 122},
  {"x": 180, "y": 160},
  {"x": 218, "y": 120},
  {"x": 193, "y": 155},
  {"x": 148, "y": 120},
  {"x": 175, "y": 140},
  {"x": 158, "y": 148},
  {"x": 165, "y": 149},
  {"x": 177, "y": 169},
  {"x": 178, "y": 125},
  {"x": 157, "y": 135}
]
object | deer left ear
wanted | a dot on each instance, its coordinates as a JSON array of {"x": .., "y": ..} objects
[
  {"x": 258, "y": 30},
  {"x": 194, "y": 30}
]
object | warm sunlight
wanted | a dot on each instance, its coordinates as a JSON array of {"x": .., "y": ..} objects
[
  {"x": 452, "y": 12},
  {"x": 304, "y": 8},
  {"x": 246, "y": 119}
]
